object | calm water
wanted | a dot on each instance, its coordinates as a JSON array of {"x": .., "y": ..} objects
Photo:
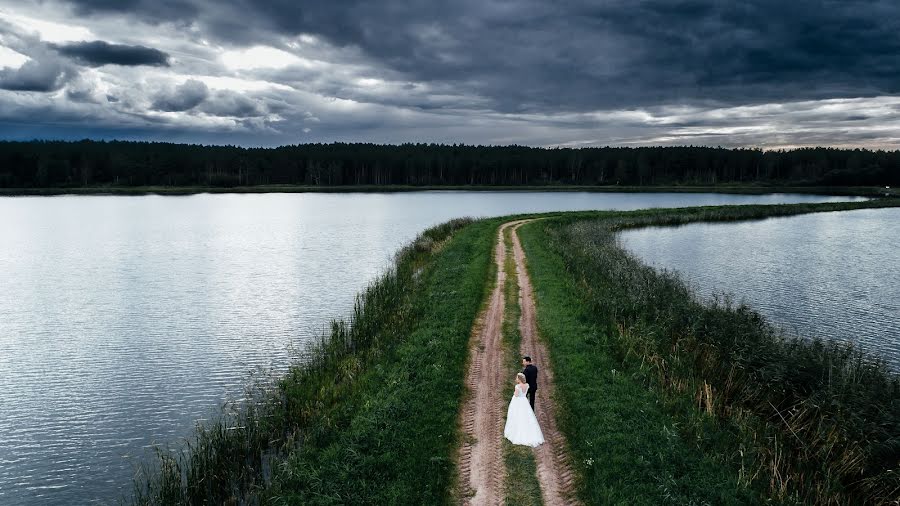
[
  {"x": 832, "y": 275},
  {"x": 123, "y": 320}
]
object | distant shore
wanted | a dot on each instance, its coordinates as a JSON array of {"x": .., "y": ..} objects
[{"x": 863, "y": 191}]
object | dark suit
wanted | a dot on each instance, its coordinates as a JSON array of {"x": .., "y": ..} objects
[{"x": 531, "y": 372}]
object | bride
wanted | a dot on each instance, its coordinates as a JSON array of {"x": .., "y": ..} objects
[{"x": 521, "y": 425}]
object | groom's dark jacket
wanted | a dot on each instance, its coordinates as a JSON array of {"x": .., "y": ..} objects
[{"x": 530, "y": 373}]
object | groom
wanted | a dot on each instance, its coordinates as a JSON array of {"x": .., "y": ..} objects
[{"x": 530, "y": 372}]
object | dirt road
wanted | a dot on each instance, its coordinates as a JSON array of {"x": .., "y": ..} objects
[{"x": 480, "y": 461}]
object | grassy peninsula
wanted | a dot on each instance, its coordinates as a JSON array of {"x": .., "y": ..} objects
[{"x": 663, "y": 399}]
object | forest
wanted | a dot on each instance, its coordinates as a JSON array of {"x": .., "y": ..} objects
[{"x": 87, "y": 163}]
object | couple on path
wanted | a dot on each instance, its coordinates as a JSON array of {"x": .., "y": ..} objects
[{"x": 522, "y": 427}]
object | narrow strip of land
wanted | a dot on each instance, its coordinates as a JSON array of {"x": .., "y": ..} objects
[{"x": 481, "y": 464}]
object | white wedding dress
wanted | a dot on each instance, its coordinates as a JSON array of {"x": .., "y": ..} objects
[{"x": 521, "y": 425}]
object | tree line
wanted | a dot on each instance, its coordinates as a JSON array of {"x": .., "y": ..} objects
[{"x": 48, "y": 164}]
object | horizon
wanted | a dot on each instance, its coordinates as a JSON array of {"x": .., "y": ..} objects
[
  {"x": 759, "y": 75},
  {"x": 450, "y": 144}
]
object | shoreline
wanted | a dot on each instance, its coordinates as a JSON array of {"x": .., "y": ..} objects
[{"x": 857, "y": 191}]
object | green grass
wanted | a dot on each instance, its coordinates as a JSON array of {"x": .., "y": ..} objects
[
  {"x": 397, "y": 427},
  {"x": 522, "y": 488},
  {"x": 665, "y": 399}
]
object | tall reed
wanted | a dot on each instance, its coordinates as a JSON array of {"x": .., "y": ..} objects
[{"x": 825, "y": 416}]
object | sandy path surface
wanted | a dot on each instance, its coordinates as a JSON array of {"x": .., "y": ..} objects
[
  {"x": 554, "y": 471},
  {"x": 480, "y": 459},
  {"x": 481, "y": 468}
]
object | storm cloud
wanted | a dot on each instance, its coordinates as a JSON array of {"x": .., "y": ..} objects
[
  {"x": 229, "y": 103},
  {"x": 184, "y": 97},
  {"x": 98, "y": 53},
  {"x": 529, "y": 53},
  {"x": 498, "y": 71},
  {"x": 33, "y": 75}
]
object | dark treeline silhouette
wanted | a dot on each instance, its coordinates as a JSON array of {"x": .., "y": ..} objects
[{"x": 44, "y": 164}]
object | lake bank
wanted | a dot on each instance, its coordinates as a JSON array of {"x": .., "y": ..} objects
[{"x": 825, "y": 274}]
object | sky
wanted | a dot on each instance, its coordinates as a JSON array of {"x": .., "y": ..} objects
[{"x": 756, "y": 73}]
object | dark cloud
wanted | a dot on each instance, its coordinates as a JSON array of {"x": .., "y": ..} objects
[
  {"x": 44, "y": 71},
  {"x": 34, "y": 75},
  {"x": 81, "y": 95},
  {"x": 580, "y": 72},
  {"x": 228, "y": 103},
  {"x": 184, "y": 97},
  {"x": 99, "y": 53},
  {"x": 529, "y": 55},
  {"x": 152, "y": 10}
]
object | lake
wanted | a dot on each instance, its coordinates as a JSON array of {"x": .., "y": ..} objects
[
  {"x": 124, "y": 320},
  {"x": 830, "y": 275}
]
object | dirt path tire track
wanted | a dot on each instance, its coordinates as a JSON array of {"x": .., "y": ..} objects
[
  {"x": 480, "y": 459},
  {"x": 555, "y": 473},
  {"x": 481, "y": 465}
]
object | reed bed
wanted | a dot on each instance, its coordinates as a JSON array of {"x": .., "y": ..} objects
[
  {"x": 361, "y": 417},
  {"x": 819, "y": 420}
]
